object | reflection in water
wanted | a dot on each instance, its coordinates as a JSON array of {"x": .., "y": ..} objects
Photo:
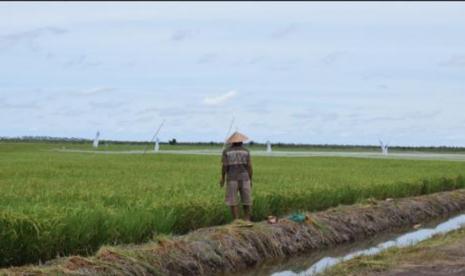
[{"x": 401, "y": 241}]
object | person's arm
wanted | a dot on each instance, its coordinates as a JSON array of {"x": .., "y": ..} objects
[
  {"x": 249, "y": 169},
  {"x": 223, "y": 169},
  {"x": 223, "y": 175}
]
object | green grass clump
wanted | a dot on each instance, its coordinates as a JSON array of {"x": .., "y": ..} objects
[{"x": 54, "y": 203}]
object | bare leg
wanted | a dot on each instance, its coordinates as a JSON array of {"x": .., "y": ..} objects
[
  {"x": 235, "y": 211},
  {"x": 247, "y": 209}
]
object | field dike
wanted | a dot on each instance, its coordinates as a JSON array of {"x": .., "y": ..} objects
[{"x": 236, "y": 247}]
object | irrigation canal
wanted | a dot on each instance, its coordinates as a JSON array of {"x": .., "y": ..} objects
[{"x": 313, "y": 264}]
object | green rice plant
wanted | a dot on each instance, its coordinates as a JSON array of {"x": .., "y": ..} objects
[{"x": 55, "y": 203}]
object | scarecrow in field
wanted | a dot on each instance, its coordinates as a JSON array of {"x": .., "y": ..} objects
[{"x": 237, "y": 167}]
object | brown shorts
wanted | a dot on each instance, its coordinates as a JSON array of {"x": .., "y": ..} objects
[{"x": 232, "y": 189}]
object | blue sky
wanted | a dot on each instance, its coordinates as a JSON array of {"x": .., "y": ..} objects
[{"x": 336, "y": 73}]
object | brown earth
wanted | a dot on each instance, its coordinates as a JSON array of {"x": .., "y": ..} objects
[
  {"x": 235, "y": 247},
  {"x": 442, "y": 255}
]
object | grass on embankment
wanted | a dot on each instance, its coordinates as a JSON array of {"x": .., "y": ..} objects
[
  {"x": 236, "y": 247},
  {"x": 69, "y": 203}
]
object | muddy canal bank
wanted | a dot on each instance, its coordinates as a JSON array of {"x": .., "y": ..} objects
[{"x": 235, "y": 247}]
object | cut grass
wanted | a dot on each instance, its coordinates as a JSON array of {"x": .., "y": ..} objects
[
  {"x": 54, "y": 203},
  {"x": 432, "y": 251}
]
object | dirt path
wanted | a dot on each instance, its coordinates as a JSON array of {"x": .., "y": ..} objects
[
  {"x": 396, "y": 155},
  {"x": 441, "y": 255}
]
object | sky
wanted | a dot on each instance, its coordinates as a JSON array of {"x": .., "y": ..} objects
[{"x": 292, "y": 72}]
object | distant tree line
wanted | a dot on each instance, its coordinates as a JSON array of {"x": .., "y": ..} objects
[{"x": 173, "y": 141}]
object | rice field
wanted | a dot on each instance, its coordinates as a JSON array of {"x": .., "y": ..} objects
[{"x": 54, "y": 203}]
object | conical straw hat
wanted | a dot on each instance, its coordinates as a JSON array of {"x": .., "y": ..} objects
[{"x": 237, "y": 137}]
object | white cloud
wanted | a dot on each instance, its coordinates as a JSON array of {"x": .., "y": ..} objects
[
  {"x": 454, "y": 61},
  {"x": 106, "y": 105},
  {"x": 207, "y": 58},
  {"x": 333, "y": 57},
  {"x": 96, "y": 90},
  {"x": 284, "y": 32},
  {"x": 180, "y": 35},
  {"x": 29, "y": 37},
  {"x": 219, "y": 100}
]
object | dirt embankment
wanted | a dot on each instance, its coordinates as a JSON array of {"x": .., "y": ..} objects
[
  {"x": 234, "y": 247},
  {"x": 441, "y": 255}
]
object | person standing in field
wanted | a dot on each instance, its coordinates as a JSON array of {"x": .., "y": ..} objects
[{"x": 237, "y": 168}]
